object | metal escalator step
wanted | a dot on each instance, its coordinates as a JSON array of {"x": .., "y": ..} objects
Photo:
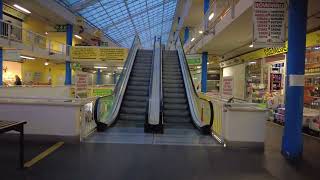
[
  {"x": 135, "y": 98},
  {"x": 142, "y": 67},
  {"x": 172, "y": 81},
  {"x": 176, "y": 113},
  {"x": 140, "y": 64},
  {"x": 132, "y": 117},
  {"x": 172, "y": 106},
  {"x": 174, "y": 95},
  {"x": 175, "y": 100},
  {"x": 139, "y": 88},
  {"x": 172, "y": 77},
  {"x": 139, "y": 83},
  {"x": 127, "y": 103},
  {"x": 173, "y": 90},
  {"x": 178, "y": 73},
  {"x": 174, "y": 119},
  {"x": 133, "y": 110},
  {"x": 140, "y": 75},
  {"x": 134, "y": 78},
  {"x": 173, "y": 85},
  {"x": 137, "y": 93}
]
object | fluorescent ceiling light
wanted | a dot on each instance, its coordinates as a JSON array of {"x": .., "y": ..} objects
[
  {"x": 199, "y": 67},
  {"x": 22, "y": 9},
  {"x": 208, "y": 63},
  {"x": 253, "y": 62},
  {"x": 46, "y": 63},
  {"x": 100, "y": 67},
  {"x": 211, "y": 16},
  {"x": 120, "y": 68},
  {"x": 192, "y": 39},
  {"x": 27, "y": 57},
  {"x": 94, "y": 71},
  {"x": 200, "y": 32},
  {"x": 46, "y": 33},
  {"x": 251, "y": 46},
  {"x": 77, "y": 36}
]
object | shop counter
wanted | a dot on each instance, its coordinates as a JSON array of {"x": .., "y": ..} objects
[
  {"x": 244, "y": 125},
  {"x": 51, "y": 117}
]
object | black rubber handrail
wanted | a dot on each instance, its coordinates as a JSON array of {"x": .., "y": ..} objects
[{"x": 210, "y": 103}]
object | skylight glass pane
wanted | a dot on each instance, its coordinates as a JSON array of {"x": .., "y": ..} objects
[{"x": 122, "y": 19}]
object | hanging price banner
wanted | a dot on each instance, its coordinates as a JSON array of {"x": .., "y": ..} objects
[{"x": 269, "y": 23}]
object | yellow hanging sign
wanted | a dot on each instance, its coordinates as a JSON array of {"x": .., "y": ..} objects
[
  {"x": 94, "y": 53},
  {"x": 13, "y": 12}
]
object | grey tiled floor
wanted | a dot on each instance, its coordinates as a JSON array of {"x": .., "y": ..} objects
[{"x": 136, "y": 135}]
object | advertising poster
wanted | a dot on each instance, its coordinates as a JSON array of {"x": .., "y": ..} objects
[
  {"x": 81, "y": 85},
  {"x": 227, "y": 86},
  {"x": 269, "y": 23}
]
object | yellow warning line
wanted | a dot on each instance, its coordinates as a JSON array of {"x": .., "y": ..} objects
[{"x": 43, "y": 154}]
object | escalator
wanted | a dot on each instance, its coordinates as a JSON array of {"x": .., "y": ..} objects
[
  {"x": 175, "y": 103},
  {"x": 127, "y": 106},
  {"x": 183, "y": 108},
  {"x": 133, "y": 111}
]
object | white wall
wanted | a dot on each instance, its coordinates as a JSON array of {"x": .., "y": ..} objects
[{"x": 238, "y": 74}]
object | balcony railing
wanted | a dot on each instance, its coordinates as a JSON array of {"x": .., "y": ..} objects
[
  {"x": 13, "y": 33},
  {"x": 216, "y": 12}
]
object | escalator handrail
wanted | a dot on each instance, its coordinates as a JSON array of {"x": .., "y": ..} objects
[
  {"x": 136, "y": 44},
  {"x": 153, "y": 107},
  {"x": 193, "y": 87}
]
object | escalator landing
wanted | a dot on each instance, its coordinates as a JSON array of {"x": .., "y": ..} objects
[{"x": 126, "y": 133}]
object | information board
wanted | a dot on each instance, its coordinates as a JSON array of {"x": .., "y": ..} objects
[
  {"x": 94, "y": 53},
  {"x": 227, "y": 86},
  {"x": 269, "y": 23},
  {"x": 81, "y": 85}
]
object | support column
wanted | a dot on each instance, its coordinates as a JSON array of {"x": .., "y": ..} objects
[
  {"x": 186, "y": 34},
  {"x": 98, "y": 77},
  {"x": 206, "y": 4},
  {"x": 68, "y": 64},
  {"x": 204, "y": 72},
  {"x": 292, "y": 144},
  {"x": 1, "y": 53}
]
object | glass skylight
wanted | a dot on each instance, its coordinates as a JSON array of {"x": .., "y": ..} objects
[{"x": 122, "y": 19}]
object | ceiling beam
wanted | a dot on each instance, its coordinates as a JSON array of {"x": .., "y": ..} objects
[{"x": 82, "y": 4}]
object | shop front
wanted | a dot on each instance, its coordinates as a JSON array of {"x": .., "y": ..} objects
[{"x": 260, "y": 77}]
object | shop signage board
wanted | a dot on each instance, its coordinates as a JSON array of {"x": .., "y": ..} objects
[
  {"x": 269, "y": 23},
  {"x": 61, "y": 27},
  {"x": 94, "y": 53},
  {"x": 193, "y": 59},
  {"x": 81, "y": 85},
  {"x": 227, "y": 86}
]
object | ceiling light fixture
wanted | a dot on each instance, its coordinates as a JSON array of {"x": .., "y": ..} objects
[
  {"x": 200, "y": 32},
  {"x": 100, "y": 67},
  {"x": 211, "y": 16},
  {"x": 46, "y": 63},
  {"x": 253, "y": 62},
  {"x": 27, "y": 57},
  {"x": 77, "y": 36},
  {"x": 22, "y": 8},
  {"x": 208, "y": 63},
  {"x": 192, "y": 39},
  {"x": 251, "y": 46},
  {"x": 120, "y": 68},
  {"x": 46, "y": 33}
]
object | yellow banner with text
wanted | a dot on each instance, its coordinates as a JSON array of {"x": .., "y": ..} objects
[{"x": 95, "y": 53}]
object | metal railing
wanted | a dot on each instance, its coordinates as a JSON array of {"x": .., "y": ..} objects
[
  {"x": 13, "y": 33},
  {"x": 216, "y": 12}
]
